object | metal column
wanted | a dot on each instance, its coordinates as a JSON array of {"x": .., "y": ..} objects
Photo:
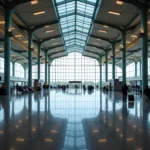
[
  {"x": 30, "y": 59},
  {"x": 113, "y": 60},
  {"x": 7, "y": 46},
  {"x": 46, "y": 67},
  {"x": 106, "y": 66},
  {"x": 100, "y": 71},
  {"x": 144, "y": 47},
  {"x": 39, "y": 59},
  {"x": 124, "y": 57}
]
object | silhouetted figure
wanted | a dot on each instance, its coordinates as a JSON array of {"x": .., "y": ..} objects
[
  {"x": 125, "y": 90},
  {"x": 147, "y": 92}
]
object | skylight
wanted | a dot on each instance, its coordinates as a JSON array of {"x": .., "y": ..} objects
[{"x": 75, "y": 22}]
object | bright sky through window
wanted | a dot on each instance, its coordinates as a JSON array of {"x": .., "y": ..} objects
[{"x": 75, "y": 21}]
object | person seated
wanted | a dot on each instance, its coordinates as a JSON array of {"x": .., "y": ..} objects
[{"x": 3, "y": 88}]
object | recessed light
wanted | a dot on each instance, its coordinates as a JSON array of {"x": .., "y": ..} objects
[
  {"x": 46, "y": 26},
  {"x": 54, "y": 43},
  {"x": 96, "y": 43},
  {"x": 2, "y": 22},
  {"x": 119, "y": 2},
  {"x": 102, "y": 140},
  {"x": 134, "y": 36},
  {"x": 33, "y": 2},
  {"x": 48, "y": 140},
  {"x": 105, "y": 26},
  {"x": 130, "y": 139},
  {"x": 98, "y": 39},
  {"x": 128, "y": 42},
  {"x": 52, "y": 39},
  {"x": 114, "y": 13},
  {"x": 49, "y": 31},
  {"x": 18, "y": 36},
  {"x": 103, "y": 31},
  {"x": 25, "y": 42},
  {"x": 148, "y": 22},
  {"x": 39, "y": 13}
]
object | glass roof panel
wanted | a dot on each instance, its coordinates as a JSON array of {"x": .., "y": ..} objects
[{"x": 75, "y": 22}]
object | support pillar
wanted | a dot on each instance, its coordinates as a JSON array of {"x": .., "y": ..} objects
[
  {"x": 140, "y": 68},
  {"x": 136, "y": 69},
  {"x": 29, "y": 59},
  {"x": 13, "y": 71},
  {"x": 113, "y": 60},
  {"x": 144, "y": 47},
  {"x": 124, "y": 57},
  {"x": 106, "y": 66},
  {"x": 49, "y": 64},
  {"x": 7, "y": 46},
  {"x": 46, "y": 67},
  {"x": 100, "y": 64},
  {"x": 39, "y": 60}
]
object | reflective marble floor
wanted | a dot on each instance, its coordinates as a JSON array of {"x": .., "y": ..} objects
[{"x": 73, "y": 120}]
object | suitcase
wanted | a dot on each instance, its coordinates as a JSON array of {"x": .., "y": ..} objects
[{"x": 131, "y": 98}]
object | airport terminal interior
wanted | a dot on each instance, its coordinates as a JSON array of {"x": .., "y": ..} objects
[{"x": 74, "y": 74}]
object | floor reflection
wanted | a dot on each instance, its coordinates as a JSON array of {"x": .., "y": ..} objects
[{"x": 73, "y": 120}]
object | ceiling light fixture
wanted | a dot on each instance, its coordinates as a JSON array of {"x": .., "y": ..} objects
[
  {"x": 134, "y": 36},
  {"x": 49, "y": 31},
  {"x": 128, "y": 42},
  {"x": 103, "y": 31},
  {"x": 47, "y": 26},
  {"x": 39, "y": 13},
  {"x": 114, "y": 13},
  {"x": 102, "y": 140},
  {"x": 148, "y": 22},
  {"x": 33, "y": 2},
  {"x": 52, "y": 39},
  {"x": 2, "y": 22},
  {"x": 54, "y": 43},
  {"x": 18, "y": 36},
  {"x": 98, "y": 39},
  {"x": 96, "y": 43},
  {"x": 25, "y": 42},
  {"x": 48, "y": 140},
  {"x": 105, "y": 26},
  {"x": 119, "y": 2}
]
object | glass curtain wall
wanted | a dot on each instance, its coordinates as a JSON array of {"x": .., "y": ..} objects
[
  {"x": 74, "y": 67},
  {"x": 130, "y": 70},
  {"x": 118, "y": 72},
  {"x": 2, "y": 66},
  {"x": 19, "y": 70},
  {"x": 35, "y": 72}
]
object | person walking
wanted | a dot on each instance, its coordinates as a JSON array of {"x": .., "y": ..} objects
[{"x": 125, "y": 91}]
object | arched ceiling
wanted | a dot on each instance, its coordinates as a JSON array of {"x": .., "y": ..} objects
[{"x": 64, "y": 26}]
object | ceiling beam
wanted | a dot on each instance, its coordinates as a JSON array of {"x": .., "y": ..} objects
[
  {"x": 93, "y": 52},
  {"x": 133, "y": 51},
  {"x": 58, "y": 57},
  {"x": 50, "y": 48},
  {"x": 68, "y": 1},
  {"x": 56, "y": 52},
  {"x": 86, "y": 55},
  {"x": 110, "y": 25},
  {"x": 99, "y": 47}
]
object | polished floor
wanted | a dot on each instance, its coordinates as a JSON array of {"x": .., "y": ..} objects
[{"x": 73, "y": 120}]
